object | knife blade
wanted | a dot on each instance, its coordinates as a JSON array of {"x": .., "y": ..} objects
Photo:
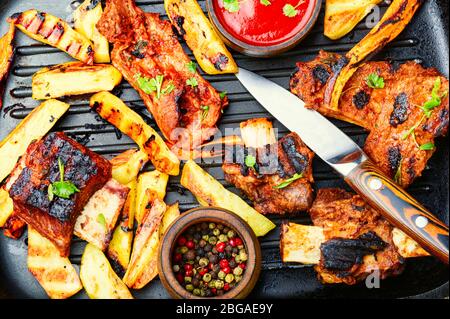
[{"x": 348, "y": 159}]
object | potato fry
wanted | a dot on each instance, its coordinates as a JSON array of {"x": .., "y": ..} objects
[
  {"x": 6, "y": 207},
  {"x": 172, "y": 213},
  {"x": 127, "y": 165},
  {"x": 6, "y": 58}
]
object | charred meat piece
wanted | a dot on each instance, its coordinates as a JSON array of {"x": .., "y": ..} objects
[
  {"x": 145, "y": 47},
  {"x": 55, "y": 219},
  {"x": 274, "y": 165},
  {"x": 358, "y": 239},
  {"x": 393, "y": 113}
]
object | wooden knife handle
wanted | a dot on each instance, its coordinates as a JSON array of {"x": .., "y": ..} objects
[{"x": 399, "y": 208}]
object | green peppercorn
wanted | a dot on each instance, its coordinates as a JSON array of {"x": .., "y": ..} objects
[
  {"x": 176, "y": 268},
  {"x": 231, "y": 234},
  {"x": 212, "y": 225},
  {"x": 189, "y": 287},
  {"x": 212, "y": 240},
  {"x": 219, "y": 284},
  {"x": 243, "y": 255},
  {"x": 221, "y": 274},
  {"x": 187, "y": 279},
  {"x": 205, "y": 237},
  {"x": 183, "y": 250},
  {"x": 196, "y": 292},
  {"x": 202, "y": 293},
  {"x": 207, "y": 277},
  {"x": 216, "y": 232},
  {"x": 203, "y": 262},
  {"x": 240, "y": 247},
  {"x": 229, "y": 278},
  {"x": 237, "y": 258},
  {"x": 223, "y": 238},
  {"x": 212, "y": 284},
  {"x": 238, "y": 278},
  {"x": 238, "y": 271}
]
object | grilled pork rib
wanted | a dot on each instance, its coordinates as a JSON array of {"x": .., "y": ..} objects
[
  {"x": 358, "y": 239},
  {"x": 398, "y": 126},
  {"x": 145, "y": 46},
  {"x": 55, "y": 219},
  {"x": 275, "y": 164}
]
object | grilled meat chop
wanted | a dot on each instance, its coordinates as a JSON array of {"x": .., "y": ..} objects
[
  {"x": 39, "y": 168},
  {"x": 398, "y": 126},
  {"x": 358, "y": 239},
  {"x": 275, "y": 164},
  {"x": 145, "y": 46}
]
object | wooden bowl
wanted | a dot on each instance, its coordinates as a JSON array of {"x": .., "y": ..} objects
[
  {"x": 215, "y": 215},
  {"x": 261, "y": 51}
]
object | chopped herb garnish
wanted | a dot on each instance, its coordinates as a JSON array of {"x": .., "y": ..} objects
[
  {"x": 63, "y": 189},
  {"x": 265, "y": 2},
  {"x": 154, "y": 85},
  {"x": 375, "y": 81},
  {"x": 205, "y": 109},
  {"x": 223, "y": 94},
  {"x": 412, "y": 129},
  {"x": 435, "y": 99},
  {"x": 427, "y": 146},
  {"x": 290, "y": 11},
  {"x": 250, "y": 161},
  {"x": 398, "y": 174},
  {"x": 231, "y": 5},
  {"x": 168, "y": 89},
  {"x": 101, "y": 220},
  {"x": 289, "y": 181},
  {"x": 192, "y": 67},
  {"x": 192, "y": 82}
]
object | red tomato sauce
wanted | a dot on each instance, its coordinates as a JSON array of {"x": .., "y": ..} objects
[{"x": 260, "y": 25}]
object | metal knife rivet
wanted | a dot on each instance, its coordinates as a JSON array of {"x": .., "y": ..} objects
[
  {"x": 421, "y": 221},
  {"x": 375, "y": 183}
]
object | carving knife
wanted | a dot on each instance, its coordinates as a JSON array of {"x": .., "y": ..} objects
[{"x": 349, "y": 160}]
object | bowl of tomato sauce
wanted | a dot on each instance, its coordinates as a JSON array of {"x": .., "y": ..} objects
[{"x": 263, "y": 28}]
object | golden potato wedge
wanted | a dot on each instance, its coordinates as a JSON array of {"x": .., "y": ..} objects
[
  {"x": 257, "y": 132},
  {"x": 55, "y": 273},
  {"x": 98, "y": 278},
  {"x": 211, "y": 53},
  {"x": 300, "y": 243},
  {"x": 6, "y": 58},
  {"x": 74, "y": 78},
  {"x": 33, "y": 127},
  {"x": 86, "y": 17},
  {"x": 151, "y": 185},
  {"x": 6, "y": 207},
  {"x": 96, "y": 222},
  {"x": 54, "y": 31},
  {"x": 112, "y": 109},
  {"x": 127, "y": 165},
  {"x": 143, "y": 263},
  {"x": 119, "y": 249},
  {"x": 209, "y": 192},
  {"x": 395, "y": 19},
  {"x": 341, "y": 16},
  {"x": 172, "y": 213}
]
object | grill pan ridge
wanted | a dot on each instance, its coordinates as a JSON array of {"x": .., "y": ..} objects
[{"x": 424, "y": 40}]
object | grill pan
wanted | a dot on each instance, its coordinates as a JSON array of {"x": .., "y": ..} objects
[{"x": 424, "y": 40}]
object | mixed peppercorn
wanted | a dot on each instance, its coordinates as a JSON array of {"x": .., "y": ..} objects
[{"x": 209, "y": 259}]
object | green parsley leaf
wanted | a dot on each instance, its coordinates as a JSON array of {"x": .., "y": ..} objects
[
  {"x": 151, "y": 85},
  {"x": 265, "y": 2},
  {"x": 192, "y": 82},
  {"x": 63, "y": 189},
  {"x": 168, "y": 89},
  {"x": 427, "y": 146},
  {"x": 223, "y": 94},
  {"x": 435, "y": 99},
  {"x": 250, "y": 161},
  {"x": 101, "y": 220},
  {"x": 289, "y": 181},
  {"x": 375, "y": 81},
  {"x": 205, "y": 109},
  {"x": 192, "y": 67},
  {"x": 398, "y": 174},
  {"x": 289, "y": 11},
  {"x": 231, "y": 5}
]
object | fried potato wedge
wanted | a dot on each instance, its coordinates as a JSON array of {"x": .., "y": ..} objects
[
  {"x": 55, "y": 273},
  {"x": 341, "y": 16},
  {"x": 209, "y": 192},
  {"x": 54, "y": 31},
  {"x": 119, "y": 249},
  {"x": 74, "y": 78},
  {"x": 98, "y": 278},
  {"x": 33, "y": 127},
  {"x": 127, "y": 165},
  {"x": 6, "y": 207},
  {"x": 99, "y": 217},
  {"x": 6, "y": 58},
  {"x": 143, "y": 263},
  {"x": 151, "y": 185},
  {"x": 211, "y": 53},
  {"x": 112, "y": 109},
  {"x": 85, "y": 18},
  {"x": 301, "y": 243},
  {"x": 257, "y": 132},
  {"x": 172, "y": 213},
  {"x": 393, "y": 22}
]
